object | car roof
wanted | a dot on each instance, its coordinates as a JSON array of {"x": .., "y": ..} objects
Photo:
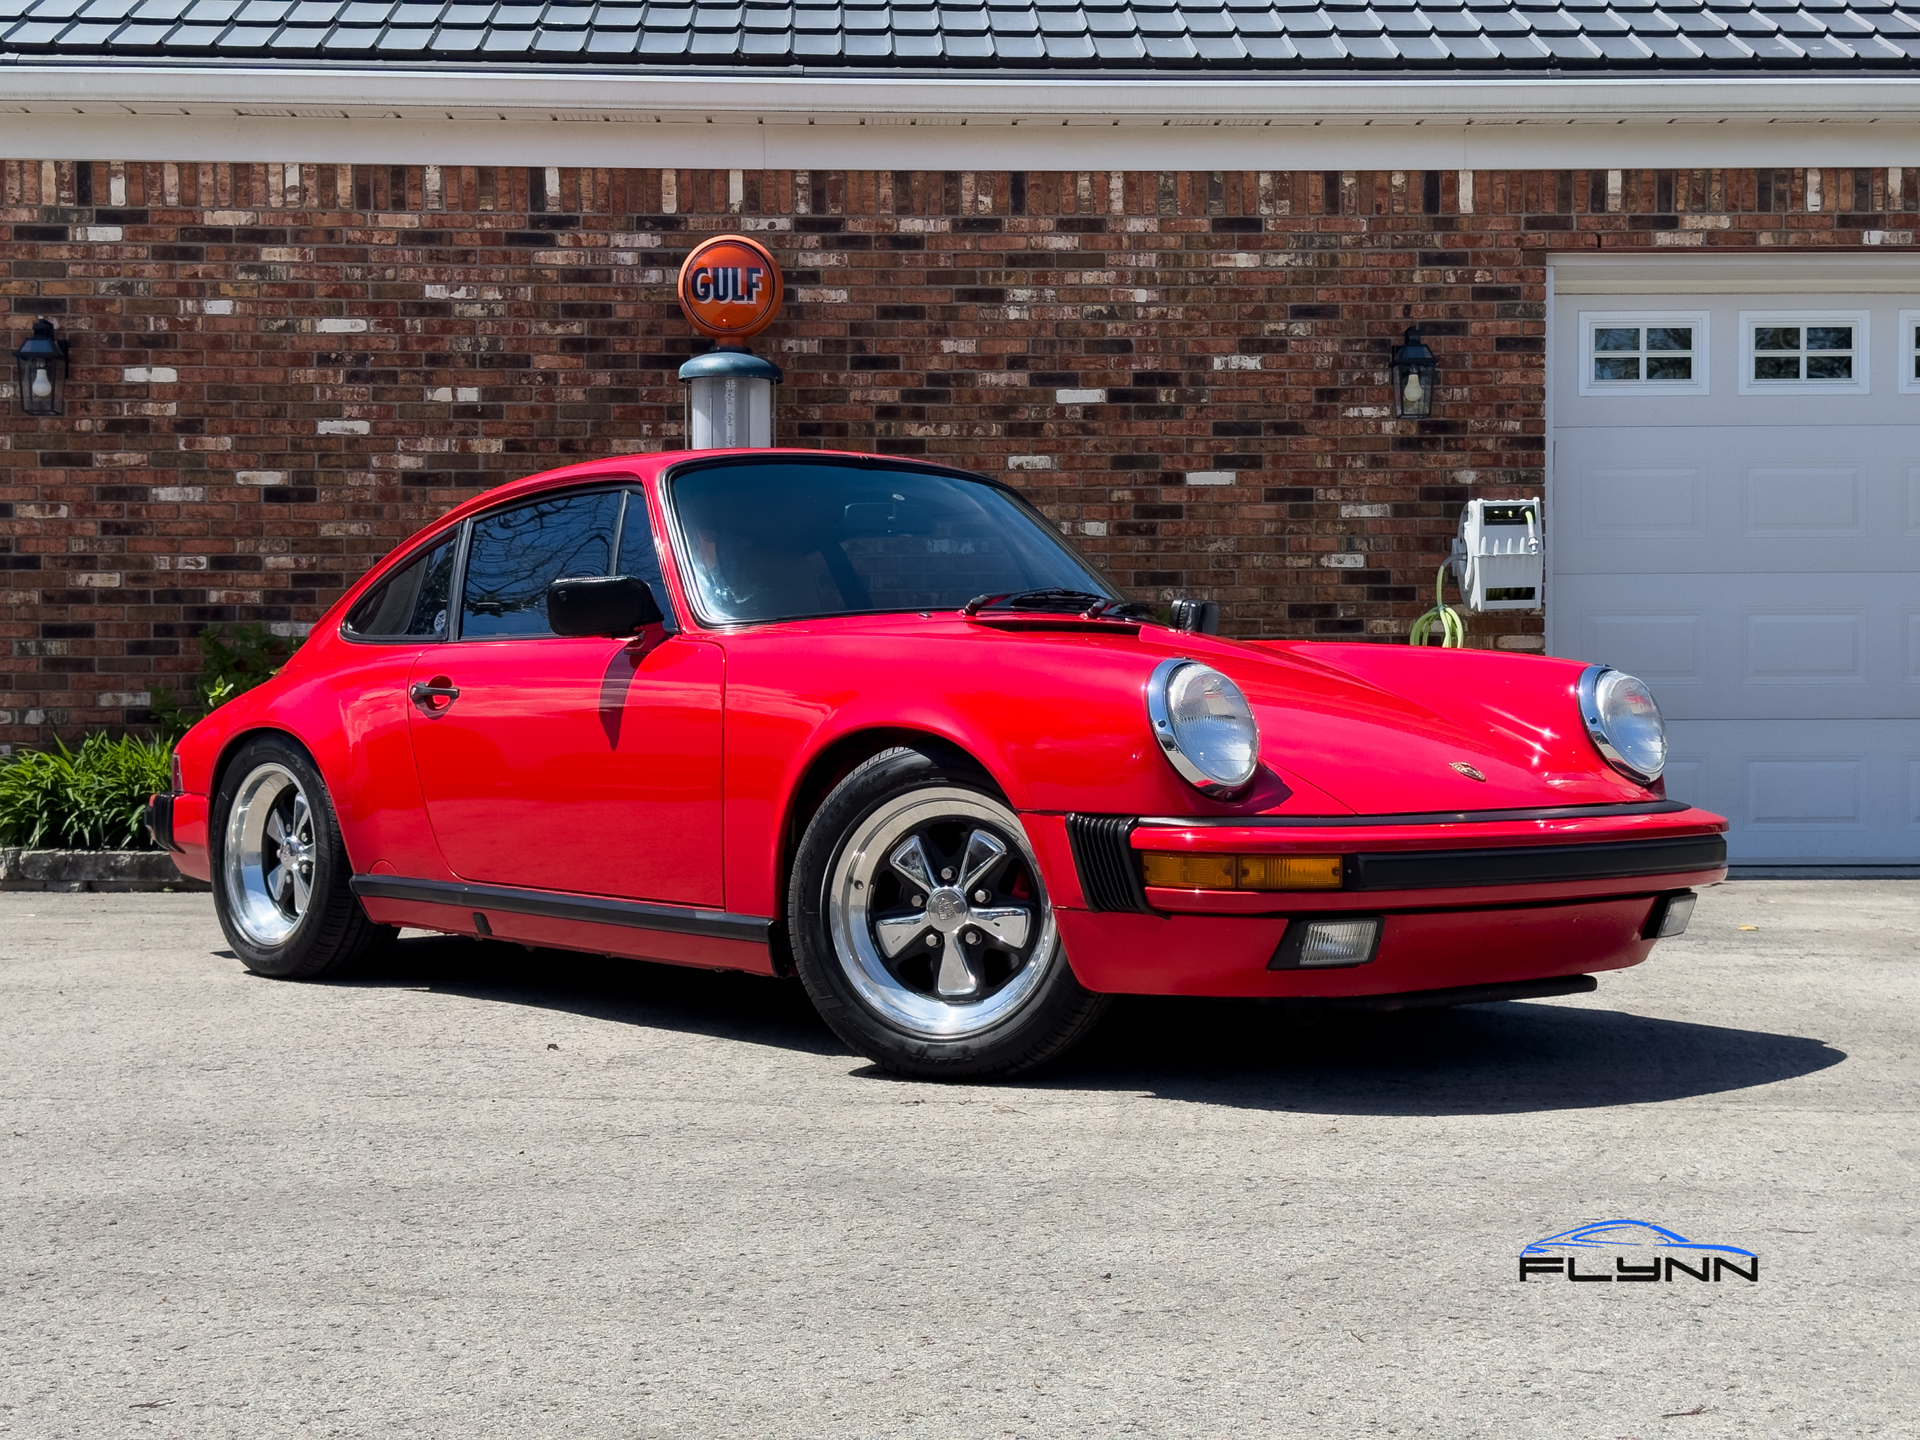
[{"x": 648, "y": 464}]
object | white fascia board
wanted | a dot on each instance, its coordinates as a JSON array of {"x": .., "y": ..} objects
[{"x": 800, "y": 120}]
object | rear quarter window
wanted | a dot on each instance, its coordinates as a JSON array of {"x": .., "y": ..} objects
[{"x": 410, "y": 603}]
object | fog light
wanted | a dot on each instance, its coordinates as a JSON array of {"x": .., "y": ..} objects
[
  {"x": 1669, "y": 916},
  {"x": 1321, "y": 944},
  {"x": 1179, "y": 870}
]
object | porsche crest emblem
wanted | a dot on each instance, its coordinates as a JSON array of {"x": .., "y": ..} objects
[{"x": 1468, "y": 771}]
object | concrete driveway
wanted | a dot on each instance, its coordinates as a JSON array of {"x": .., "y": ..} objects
[{"x": 489, "y": 1192}]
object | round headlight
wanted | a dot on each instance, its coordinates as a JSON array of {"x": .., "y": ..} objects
[
  {"x": 1624, "y": 722},
  {"x": 1203, "y": 725}
]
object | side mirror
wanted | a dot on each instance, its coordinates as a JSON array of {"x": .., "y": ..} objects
[
  {"x": 1196, "y": 617},
  {"x": 612, "y": 605}
]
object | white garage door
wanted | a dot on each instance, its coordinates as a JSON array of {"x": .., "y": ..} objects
[{"x": 1734, "y": 516}]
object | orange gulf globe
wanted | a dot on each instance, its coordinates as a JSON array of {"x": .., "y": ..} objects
[{"x": 730, "y": 287}]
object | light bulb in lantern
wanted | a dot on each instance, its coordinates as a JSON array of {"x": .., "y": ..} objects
[
  {"x": 42, "y": 383},
  {"x": 1412, "y": 394}
]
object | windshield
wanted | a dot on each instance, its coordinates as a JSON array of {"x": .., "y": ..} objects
[{"x": 788, "y": 539}]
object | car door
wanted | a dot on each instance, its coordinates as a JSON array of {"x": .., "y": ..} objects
[
  {"x": 577, "y": 764},
  {"x": 378, "y": 797}
]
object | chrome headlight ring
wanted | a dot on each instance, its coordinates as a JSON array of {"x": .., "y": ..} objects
[
  {"x": 1623, "y": 721},
  {"x": 1204, "y": 726}
]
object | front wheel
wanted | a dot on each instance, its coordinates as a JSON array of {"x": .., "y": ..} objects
[
  {"x": 280, "y": 870},
  {"x": 922, "y": 929}
]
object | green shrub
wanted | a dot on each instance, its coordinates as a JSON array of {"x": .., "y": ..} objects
[
  {"x": 233, "y": 659},
  {"x": 93, "y": 798}
]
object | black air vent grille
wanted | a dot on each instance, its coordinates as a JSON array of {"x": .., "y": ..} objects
[{"x": 1109, "y": 875}]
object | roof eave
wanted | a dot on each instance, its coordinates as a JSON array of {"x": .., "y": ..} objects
[{"x": 798, "y": 95}]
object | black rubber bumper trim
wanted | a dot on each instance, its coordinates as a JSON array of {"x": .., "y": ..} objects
[
  {"x": 633, "y": 914},
  {"x": 1416, "y": 817},
  {"x": 160, "y": 823},
  {"x": 1468, "y": 994},
  {"x": 1103, "y": 856},
  {"x": 1535, "y": 864}
]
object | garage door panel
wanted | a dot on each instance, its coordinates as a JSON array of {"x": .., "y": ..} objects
[
  {"x": 1805, "y": 649},
  {"x": 1747, "y": 646},
  {"x": 1804, "y": 502},
  {"x": 1703, "y": 500},
  {"x": 1668, "y": 649},
  {"x": 1803, "y": 790}
]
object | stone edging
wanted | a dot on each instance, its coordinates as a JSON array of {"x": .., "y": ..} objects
[{"x": 92, "y": 870}]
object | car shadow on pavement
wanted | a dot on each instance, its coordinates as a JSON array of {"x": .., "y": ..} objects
[
  {"x": 1516, "y": 1057},
  {"x": 726, "y": 1005},
  {"x": 1510, "y": 1058}
]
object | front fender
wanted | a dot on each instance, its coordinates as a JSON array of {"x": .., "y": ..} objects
[{"x": 1058, "y": 728}]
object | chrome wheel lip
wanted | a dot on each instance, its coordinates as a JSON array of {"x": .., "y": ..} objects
[
  {"x": 850, "y": 919},
  {"x": 268, "y": 855}
]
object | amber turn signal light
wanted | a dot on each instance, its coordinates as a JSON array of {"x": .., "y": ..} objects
[{"x": 1187, "y": 871}]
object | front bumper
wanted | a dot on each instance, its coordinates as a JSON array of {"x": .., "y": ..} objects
[{"x": 1464, "y": 899}]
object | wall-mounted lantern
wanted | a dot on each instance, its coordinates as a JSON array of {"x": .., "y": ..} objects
[
  {"x": 42, "y": 359},
  {"x": 1413, "y": 377}
]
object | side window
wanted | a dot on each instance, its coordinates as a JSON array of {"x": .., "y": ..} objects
[
  {"x": 639, "y": 557},
  {"x": 411, "y": 603},
  {"x": 515, "y": 554}
]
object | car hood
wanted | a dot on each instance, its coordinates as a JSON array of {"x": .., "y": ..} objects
[
  {"x": 1388, "y": 729},
  {"x": 1383, "y": 729}
]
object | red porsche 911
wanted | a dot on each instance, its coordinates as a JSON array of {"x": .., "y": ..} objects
[{"x": 873, "y": 722}]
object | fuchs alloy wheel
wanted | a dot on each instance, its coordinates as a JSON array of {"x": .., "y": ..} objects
[
  {"x": 922, "y": 928},
  {"x": 280, "y": 872}
]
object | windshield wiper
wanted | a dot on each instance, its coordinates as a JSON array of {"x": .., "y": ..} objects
[{"x": 1089, "y": 605}]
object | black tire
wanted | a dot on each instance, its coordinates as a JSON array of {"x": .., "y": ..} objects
[
  {"x": 1046, "y": 1010},
  {"x": 330, "y": 933}
]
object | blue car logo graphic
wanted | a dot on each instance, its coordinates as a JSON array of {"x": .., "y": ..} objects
[{"x": 1702, "y": 1262}]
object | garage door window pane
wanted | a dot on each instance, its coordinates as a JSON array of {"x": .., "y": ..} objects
[
  {"x": 1813, "y": 352},
  {"x": 1633, "y": 353},
  {"x": 515, "y": 554}
]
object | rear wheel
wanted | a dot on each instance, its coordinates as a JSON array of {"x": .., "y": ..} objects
[
  {"x": 280, "y": 871},
  {"x": 922, "y": 929}
]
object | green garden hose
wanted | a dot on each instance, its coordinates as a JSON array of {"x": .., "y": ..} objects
[{"x": 1453, "y": 629}]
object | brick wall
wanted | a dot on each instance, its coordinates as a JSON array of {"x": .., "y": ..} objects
[{"x": 282, "y": 370}]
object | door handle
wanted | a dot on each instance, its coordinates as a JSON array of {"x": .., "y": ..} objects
[{"x": 435, "y": 695}]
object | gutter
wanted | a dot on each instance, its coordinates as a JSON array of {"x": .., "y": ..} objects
[{"x": 801, "y": 96}]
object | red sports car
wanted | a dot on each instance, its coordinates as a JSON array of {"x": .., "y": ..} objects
[{"x": 873, "y": 722}]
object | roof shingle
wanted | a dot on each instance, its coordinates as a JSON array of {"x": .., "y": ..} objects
[{"x": 1583, "y": 36}]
